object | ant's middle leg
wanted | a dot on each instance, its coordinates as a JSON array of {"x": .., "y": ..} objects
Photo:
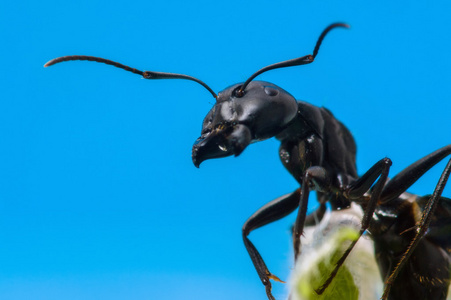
[
  {"x": 356, "y": 191},
  {"x": 318, "y": 177}
]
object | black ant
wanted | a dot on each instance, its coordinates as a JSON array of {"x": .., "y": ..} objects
[{"x": 411, "y": 233}]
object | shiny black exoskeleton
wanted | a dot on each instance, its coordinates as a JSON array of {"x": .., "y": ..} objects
[
  {"x": 320, "y": 153},
  {"x": 267, "y": 110},
  {"x": 411, "y": 233},
  {"x": 234, "y": 122}
]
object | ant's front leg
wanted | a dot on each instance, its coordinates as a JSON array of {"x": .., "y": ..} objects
[
  {"x": 313, "y": 177},
  {"x": 269, "y": 213}
]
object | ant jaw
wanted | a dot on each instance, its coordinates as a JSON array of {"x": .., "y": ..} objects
[{"x": 221, "y": 143}]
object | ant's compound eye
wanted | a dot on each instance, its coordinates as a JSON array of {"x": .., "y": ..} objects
[{"x": 270, "y": 91}]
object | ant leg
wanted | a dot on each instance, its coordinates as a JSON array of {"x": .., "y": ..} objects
[
  {"x": 422, "y": 227},
  {"x": 402, "y": 181},
  {"x": 318, "y": 177},
  {"x": 270, "y": 212},
  {"x": 311, "y": 220},
  {"x": 356, "y": 190}
]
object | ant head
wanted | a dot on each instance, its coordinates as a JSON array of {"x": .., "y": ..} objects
[
  {"x": 235, "y": 121},
  {"x": 244, "y": 113}
]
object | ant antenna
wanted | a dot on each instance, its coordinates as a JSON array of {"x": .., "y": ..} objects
[
  {"x": 304, "y": 60},
  {"x": 144, "y": 74}
]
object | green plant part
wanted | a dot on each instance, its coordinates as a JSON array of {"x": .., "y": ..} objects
[
  {"x": 343, "y": 286},
  {"x": 323, "y": 246}
]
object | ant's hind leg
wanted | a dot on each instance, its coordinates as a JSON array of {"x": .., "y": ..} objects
[
  {"x": 422, "y": 227},
  {"x": 402, "y": 181}
]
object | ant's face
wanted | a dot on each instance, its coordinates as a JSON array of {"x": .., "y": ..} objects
[{"x": 234, "y": 122}]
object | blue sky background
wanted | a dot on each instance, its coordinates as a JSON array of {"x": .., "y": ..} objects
[{"x": 99, "y": 198}]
